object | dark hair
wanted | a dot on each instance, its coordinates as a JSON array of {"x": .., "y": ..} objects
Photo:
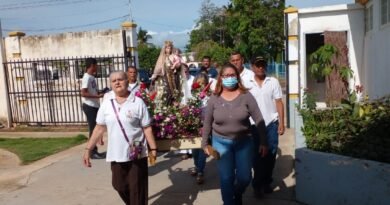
[
  {"x": 259, "y": 61},
  {"x": 236, "y": 53},
  {"x": 89, "y": 62},
  {"x": 132, "y": 67},
  {"x": 219, "y": 88},
  {"x": 206, "y": 57}
]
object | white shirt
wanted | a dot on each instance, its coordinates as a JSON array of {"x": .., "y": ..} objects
[
  {"x": 213, "y": 84},
  {"x": 89, "y": 83},
  {"x": 265, "y": 96},
  {"x": 134, "y": 87},
  {"x": 187, "y": 90},
  {"x": 134, "y": 116},
  {"x": 246, "y": 76}
]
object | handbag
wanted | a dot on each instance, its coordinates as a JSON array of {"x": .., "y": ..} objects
[{"x": 135, "y": 148}]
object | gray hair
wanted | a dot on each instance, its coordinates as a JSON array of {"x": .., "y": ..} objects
[{"x": 121, "y": 73}]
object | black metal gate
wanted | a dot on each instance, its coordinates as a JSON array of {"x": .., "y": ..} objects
[{"x": 47, "y": 91}]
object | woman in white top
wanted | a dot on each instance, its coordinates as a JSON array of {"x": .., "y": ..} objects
[{"x": 128, "y": 123}]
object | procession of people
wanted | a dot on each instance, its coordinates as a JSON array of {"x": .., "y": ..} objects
[{"x": 241, "y": 114}]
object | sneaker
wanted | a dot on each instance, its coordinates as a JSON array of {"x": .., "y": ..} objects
[{"x": 199, "y": 178}]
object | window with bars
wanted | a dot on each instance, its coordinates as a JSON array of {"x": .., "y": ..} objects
[{"x": 385, "y": 12}]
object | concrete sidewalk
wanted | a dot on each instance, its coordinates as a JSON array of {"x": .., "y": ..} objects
[{"x": 62, "y": 179}]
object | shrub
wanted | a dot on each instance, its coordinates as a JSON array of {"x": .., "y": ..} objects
[{"x": 354, "y": 129}]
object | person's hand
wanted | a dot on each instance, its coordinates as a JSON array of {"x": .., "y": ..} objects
[
  {"x": 100, "y": 95},
  {"x": 281, "y": 129},
  {"x": 152, "y": 157},
  {"x": 206, "y": 150},
  {"x": 263, "y": 150},
  {"x": 212, "y": 152},
  {"x": 87, "y": 158}
]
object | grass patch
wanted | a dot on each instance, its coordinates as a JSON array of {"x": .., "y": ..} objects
[{"x": 33, "y": 149}]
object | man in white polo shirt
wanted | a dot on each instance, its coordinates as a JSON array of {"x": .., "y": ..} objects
[
  {"x": 268, "y": 94},
  {"x": 245, "y": 74},
  {"x": 90, "y": 98}
]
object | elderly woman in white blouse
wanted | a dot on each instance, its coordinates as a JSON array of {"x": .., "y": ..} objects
[{"x": 130, "y": 140}]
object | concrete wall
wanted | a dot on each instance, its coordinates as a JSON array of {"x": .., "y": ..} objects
[
  {"x": 376, "y": 55},
  {"x": 348, "y": 18},
  {"x": 3, "y": 86},
  {"x": 88, "y": 43},
  {"x": 324, "y": 178}
]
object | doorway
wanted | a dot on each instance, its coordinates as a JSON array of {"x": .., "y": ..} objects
[{"x": 315, "y": 86}]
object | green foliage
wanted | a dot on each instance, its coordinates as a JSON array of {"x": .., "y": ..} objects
[
  {"x": 33, "y": 149},
  {"x": 147, "y": 56},
  {"x": 256, "y": 27},
  {"x": 217, "y": 53},
  {"x": 309, "y": 100},
  {"x": 210, "y": 26},
  {"x": 251, "y": 27},
  {"x": 321, "y": 61},
  {"x": 358, "y": 130},
  {"x": 143, "y": 36}
]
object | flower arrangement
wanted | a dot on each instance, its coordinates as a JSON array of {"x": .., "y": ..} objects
[{"x": 173, "y": 121}]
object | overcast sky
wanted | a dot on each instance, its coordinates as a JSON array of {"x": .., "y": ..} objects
[{"x": 164, "y": 19}]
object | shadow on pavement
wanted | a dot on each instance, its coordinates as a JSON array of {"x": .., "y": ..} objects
[{"x": 183, "y": 188}]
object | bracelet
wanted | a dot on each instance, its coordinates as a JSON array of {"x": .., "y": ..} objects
[{"x": 155, "y": 149}]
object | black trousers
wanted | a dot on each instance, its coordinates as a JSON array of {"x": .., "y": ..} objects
[
  {"x": 91, "y": 113},
  {"x": 130, "y": 180}
]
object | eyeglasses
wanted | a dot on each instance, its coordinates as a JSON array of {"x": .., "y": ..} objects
[{"x": 228, "y": 75}]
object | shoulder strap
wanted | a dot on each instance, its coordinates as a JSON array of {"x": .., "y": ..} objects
[{"x": 119, "y": 121}]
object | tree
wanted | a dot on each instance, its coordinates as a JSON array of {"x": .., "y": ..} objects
[
  {"x": 143, "y": 36},
  {"x": 218, "y": 53},
  {"x": 325, "y": 62},
  {"x": 147, "y": 56},
  {"x": 256, "y": 27},
  {"x": 210, "y": 26}
]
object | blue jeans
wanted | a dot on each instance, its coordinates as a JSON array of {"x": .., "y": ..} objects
[
  {"x": 234, "y": 166},
  {"x": 263, "y": 166},
  {"x": 199, "y": 160}
]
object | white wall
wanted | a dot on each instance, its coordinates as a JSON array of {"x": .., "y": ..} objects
[
  {"x": 377, "y": 57},
  {"x": 89, "y": 43},
  {"x": 348, "y": 18},
  {"x": 3, "y": 87}
]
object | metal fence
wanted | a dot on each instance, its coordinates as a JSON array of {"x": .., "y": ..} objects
[
  {"x": 277, "y": 70},
  {"x": 47, "y": 91}
]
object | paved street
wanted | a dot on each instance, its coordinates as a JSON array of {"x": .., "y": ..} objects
[{"x": 62, "y": 179}]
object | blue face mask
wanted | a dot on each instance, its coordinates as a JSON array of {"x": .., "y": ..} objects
[{"x": 230, "y": 82}]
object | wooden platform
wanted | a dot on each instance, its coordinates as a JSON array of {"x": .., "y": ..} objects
[{"x": 178, "y": 144}]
